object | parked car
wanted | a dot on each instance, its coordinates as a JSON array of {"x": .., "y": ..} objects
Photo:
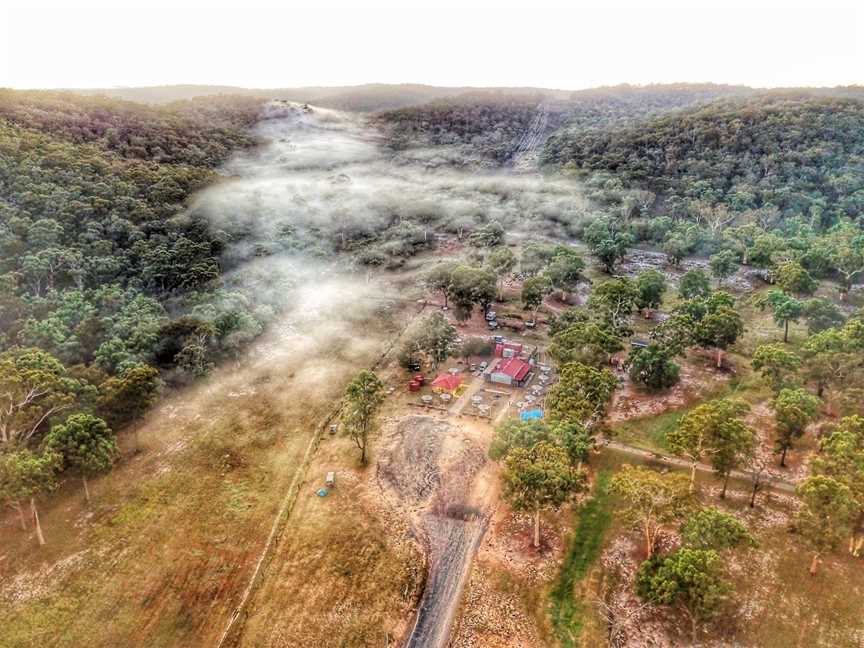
[{"x": 491, "y": 316}]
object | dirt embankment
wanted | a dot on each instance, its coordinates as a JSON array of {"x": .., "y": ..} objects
[{"x": 438, "y": 475}]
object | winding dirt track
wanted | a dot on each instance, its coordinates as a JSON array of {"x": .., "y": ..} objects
[{"x": 437, "y": 473}]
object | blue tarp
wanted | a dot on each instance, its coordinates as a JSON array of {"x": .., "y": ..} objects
[{"x": 531, "y": 414}]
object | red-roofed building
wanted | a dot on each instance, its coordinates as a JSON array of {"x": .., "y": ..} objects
[
  {"x": 447, "y": 382},
  {"x": 509, "y": 371}
]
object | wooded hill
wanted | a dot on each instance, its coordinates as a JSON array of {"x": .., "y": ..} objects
[
  {"x": 99, "y": 265},
  {"x": 491, "y": 123},
  {"x": 800, "y": 153},
  {"x": 368, "y": 97}
]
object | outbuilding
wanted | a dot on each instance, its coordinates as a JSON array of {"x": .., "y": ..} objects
[{"x": 509, "y": 371}]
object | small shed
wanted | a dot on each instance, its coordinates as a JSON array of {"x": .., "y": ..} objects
[{"x": 447, "y": 382}]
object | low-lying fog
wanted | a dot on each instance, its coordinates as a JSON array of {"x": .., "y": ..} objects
[{"x": 324, "y": 178}]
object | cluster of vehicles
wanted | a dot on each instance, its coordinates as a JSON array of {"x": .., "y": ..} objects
[{"x": 515, "y": 324}]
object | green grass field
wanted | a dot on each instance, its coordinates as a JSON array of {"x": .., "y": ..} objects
[{"x": 567, "y": 607}]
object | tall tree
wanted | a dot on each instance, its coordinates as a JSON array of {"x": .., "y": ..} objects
[
  {"x": 723, "y": 265},
  {"x": 539, "y": 478},
  {"x": 794, "y": 279},
  {"x": 607, "y": 242},
  {"x": 469, "y": 287},
  {"x": 825, "y": 516},
  {"x": 501, "y": 261},
  {"x": 829, "y": 358},
  {"x": 846, "y": 242},
  {"x": 125, "y": 398},
  {"x": 587, "y": 342},
  {"x": 794, "y": 410},
  {"x": 719, "y": 329},
  {"x": 821, "y": 314},
  {"x": 534, "y": 290},
  {"x": 841, "y": 457},
  {"x": 515, "y": 433},
  {"x": 784, "y": 308},
  {"x": 565, "y": 270},
  {"x": 582, "y": 394},
  {"x": 706, "y": 430},
  {"x": 694, "y": 285},
  {"x": 777, "y": 365},
  {"x": 651, "y": 500},
  {"x": 711, "y": 528},
  {"x": 652, "y": 286},
  {"x": 362, "y": 400},
  {"x": 34, "y": 386},
  {"x": 692, "y": 578},
  {"x": 24, "y": 475},
  {"x": 439, "y": 278},
  {"x": 614, "y": 301},
  {"x": 85, "y": 444},
  {"x": 652, "y": 366}
]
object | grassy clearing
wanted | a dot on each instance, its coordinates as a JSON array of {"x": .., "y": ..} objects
[
  {"x": 649, "y": 432},
  {"x": 167, "y": 545},
  {"x": 780, "y": 604},
  {"x": 566, "y": 610},
  {"x": 163, "y": 555},
  {"x": 341, "y": 575}
]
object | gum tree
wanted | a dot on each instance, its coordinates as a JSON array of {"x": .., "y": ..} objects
[
  {"x": 651, "y": 285},
  {"x": 825, "y": 516},
  {"x": 651, "y": 500},
  {"x": 710, "y": 430},
  {"x": 784, "y": 308},
  {"x": 841, "y": 457},
  {"x": 24, "y": 475},
  {"x": 690, "y": 578},
  {"x": 363, "y": 398},
  {"x": 794, "y": 410},
  {"x": 501, "y": 261},
  {"x": 719, "y": 330},
  {"x": 539, "y": 478},
  {"x": 85, "y": 444},
  {"x": 582, "y": 394},
  {"x": 777, "y": 365}
]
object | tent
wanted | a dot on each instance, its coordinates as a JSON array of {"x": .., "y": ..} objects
[{"x": 447, "y": 382}]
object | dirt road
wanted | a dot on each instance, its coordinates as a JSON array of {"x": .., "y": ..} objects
[
  {"x": 767, "y": 482},
  {"x": 438, "y": 474}
]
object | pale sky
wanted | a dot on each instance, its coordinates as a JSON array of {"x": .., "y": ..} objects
[{"x": 566, "y": 45}]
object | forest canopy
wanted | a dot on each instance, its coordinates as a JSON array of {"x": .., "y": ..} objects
[{"x": 802, "y": 154}]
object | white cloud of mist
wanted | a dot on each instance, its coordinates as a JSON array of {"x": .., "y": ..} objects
[
  {"x": 325, "y": 177},
  {"x": 322, "y": 174}
]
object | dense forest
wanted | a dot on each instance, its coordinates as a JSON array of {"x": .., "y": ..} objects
[
  {"x": 107, "y": 287},
  {"x": 492, "y": 124},
  {"x": 801, "y": 154},
  {"x": 622, "y": 104}
]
